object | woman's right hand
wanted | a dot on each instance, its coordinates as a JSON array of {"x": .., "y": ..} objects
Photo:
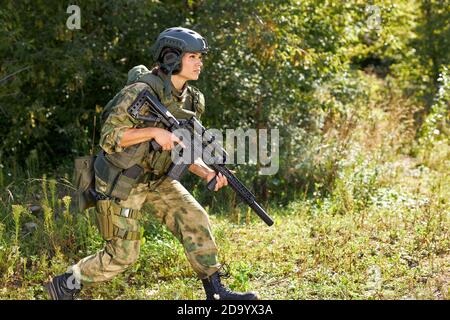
[{"x": 166, "y": 139}]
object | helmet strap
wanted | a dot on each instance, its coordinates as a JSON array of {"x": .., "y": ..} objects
[{"x": 168, "y": 84}]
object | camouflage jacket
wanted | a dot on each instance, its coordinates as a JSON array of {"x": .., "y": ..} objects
[{"x": 116, "y": 120}]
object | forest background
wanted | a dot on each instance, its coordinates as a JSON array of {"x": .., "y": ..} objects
[{"x": 359, "y": 91}]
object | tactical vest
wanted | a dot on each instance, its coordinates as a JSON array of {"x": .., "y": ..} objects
[{"x": 117, "y": 173}]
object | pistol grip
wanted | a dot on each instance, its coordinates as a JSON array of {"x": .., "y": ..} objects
[{"x": 212, "y": 184}]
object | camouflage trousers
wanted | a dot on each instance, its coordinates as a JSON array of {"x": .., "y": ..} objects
[{"x": 175, "y": 207}]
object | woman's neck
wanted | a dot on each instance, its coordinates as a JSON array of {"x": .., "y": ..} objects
[{"x": 178, "y": 82}]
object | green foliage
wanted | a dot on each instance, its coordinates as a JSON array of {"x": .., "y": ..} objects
[
  {"x": 432, "y": 43},
  {"x": 435, "y": 129},
  {"x": 66, "y": 76},
  {"x": 289, "y": 65},
  {"x": 17, "y": 212},
  {"x": 359, "y": 92}
]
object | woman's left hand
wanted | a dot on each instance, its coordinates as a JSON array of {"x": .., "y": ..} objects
[{"x": 221, "y": 181}]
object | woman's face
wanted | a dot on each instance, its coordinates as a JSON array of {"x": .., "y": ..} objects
[{"x": 191, "y": 66}]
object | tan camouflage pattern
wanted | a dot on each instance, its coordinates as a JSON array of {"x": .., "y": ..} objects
[
  {"x": 118, "y": 120},
  {"x": 177, "y": 209},
  {"x": 188, "y": 221},
  {"x": 174, "y": 205}
]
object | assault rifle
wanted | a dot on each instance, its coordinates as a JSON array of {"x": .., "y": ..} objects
[{"x": 195, "y": 137}]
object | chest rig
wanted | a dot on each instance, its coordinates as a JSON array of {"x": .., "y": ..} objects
[{"x": 117, "y": 173}]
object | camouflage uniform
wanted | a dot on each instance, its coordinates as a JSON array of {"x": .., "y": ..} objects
[{"x": 175, "y": 206}]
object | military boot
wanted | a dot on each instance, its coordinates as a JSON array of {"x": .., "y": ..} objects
[
  {"x": 62, "y": 287},
  {"x": 216, "y": 291}
]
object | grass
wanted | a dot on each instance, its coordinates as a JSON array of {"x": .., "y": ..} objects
[{"x": 394, "y": 248}]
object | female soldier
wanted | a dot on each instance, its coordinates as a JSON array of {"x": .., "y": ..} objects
[{"x": 124, "y": 143}]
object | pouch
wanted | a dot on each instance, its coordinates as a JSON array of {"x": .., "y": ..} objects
[{"x": 83, "y": 179}]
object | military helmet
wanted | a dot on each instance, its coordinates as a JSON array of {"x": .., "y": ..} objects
[
  {"x": 180, "y": 39},
  {"x": 169, "y": 48}
]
